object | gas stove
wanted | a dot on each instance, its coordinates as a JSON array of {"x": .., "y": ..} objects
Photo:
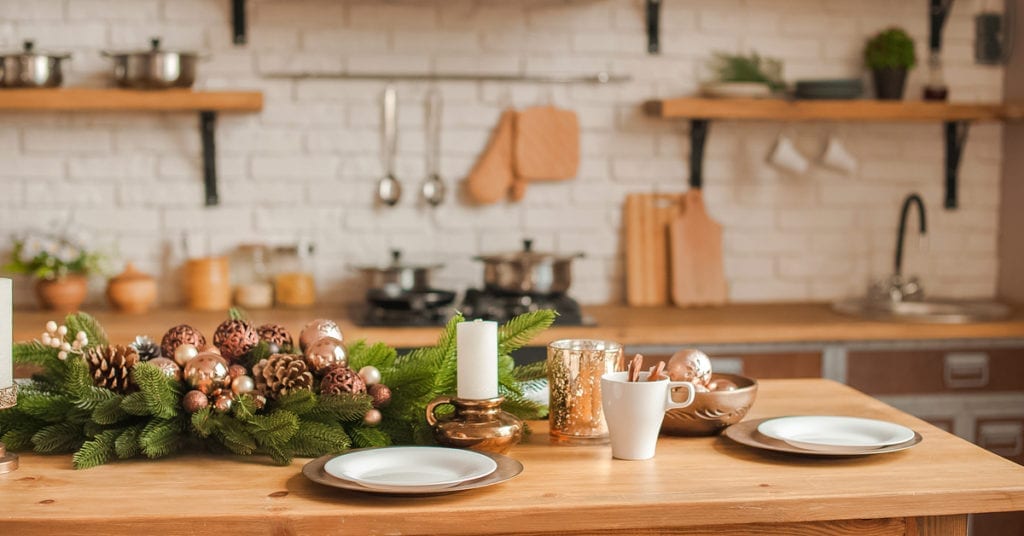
[{"x": 476, "y": 303}]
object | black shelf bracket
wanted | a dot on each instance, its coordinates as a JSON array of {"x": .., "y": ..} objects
[
  {"x": 956, "y": 138},
  {"x": 238, "y": 21},
  {"x": 207, "y": 127},
  {"x": 698, "y": 135},
  {"x": 653, "y": 26}
]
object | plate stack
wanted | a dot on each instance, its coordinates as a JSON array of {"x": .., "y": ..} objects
[{"x": 824, "y": 435}]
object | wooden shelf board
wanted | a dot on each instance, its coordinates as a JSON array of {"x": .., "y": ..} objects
[
  {"x": 171, "y": 100},
  {"x": 828, "y": 110}
]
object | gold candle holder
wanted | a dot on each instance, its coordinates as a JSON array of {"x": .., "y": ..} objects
[
  {"x": 575, "y": 367},
  {"x": 8, "y": 460},
  {"x": 478, "y": 425}
]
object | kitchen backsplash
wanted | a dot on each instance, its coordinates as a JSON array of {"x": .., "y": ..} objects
[{"x": 307, "y": 165}]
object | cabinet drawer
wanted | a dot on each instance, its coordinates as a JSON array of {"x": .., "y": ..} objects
[
  {"x": 760, "y": 366},
  {"x": 907, "y": 372}
]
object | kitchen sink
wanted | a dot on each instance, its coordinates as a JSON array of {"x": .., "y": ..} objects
[{"x": 935, "y": 311}]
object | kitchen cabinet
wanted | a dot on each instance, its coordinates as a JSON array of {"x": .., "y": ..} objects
[{"x": 760, "y": 366}]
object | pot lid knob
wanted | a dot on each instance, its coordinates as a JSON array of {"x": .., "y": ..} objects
[
  {"x": 155, "y": 43},
  {"x": 528, "y": 245},
  {"x": 28, "y": 45},
  {"x": 396, "y": 256}
]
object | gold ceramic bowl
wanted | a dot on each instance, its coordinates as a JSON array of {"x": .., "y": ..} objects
[{"x": 712, "y": 412}]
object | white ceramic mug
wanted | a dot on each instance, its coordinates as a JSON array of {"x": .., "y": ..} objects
[
  {"x": 634, "y": 411},
  {"x": 837, "y": 157},
  {"x": 786, "y": 156}
]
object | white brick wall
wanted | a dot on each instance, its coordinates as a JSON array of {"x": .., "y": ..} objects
[{"x": 307, "y": 165}]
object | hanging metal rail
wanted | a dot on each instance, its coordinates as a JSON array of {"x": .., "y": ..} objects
[{"x": 601, "y": 77}]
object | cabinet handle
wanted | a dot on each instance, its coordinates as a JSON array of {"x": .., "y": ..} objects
[
  {"x": 1002, "y": 438},
  {"x": 964, "y": 371}
]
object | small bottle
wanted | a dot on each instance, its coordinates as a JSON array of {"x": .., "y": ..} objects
[
  {"x": 935, "y": 89},
  {"x": 253, "y": 289},
  {"x": 293, "y": 280}
]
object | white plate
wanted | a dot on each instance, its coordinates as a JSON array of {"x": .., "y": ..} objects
[
  {"x": 816, "y": 432},
  {"x": 410, "y": 467}
]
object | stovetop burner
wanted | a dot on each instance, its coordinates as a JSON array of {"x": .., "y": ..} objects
[
  {"x": 502, "y": 307},
  {"x": 374, "y": 316}
]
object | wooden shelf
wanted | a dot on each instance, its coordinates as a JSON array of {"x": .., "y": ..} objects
[
  {"x": 171, "y": 100},
  {"x": 827, "y": 110}
]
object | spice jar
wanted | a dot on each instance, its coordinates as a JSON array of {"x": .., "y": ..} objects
[
  {"x": 251, "y": 275},
  {"x": 293, "y": 277}
]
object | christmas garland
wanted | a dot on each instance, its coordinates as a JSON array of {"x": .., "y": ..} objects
[{"x": 252, "y": 393}]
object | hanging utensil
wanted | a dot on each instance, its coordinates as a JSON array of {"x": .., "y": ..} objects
[
  {"x": 389, "y": 190},
  {"x": 433, "y": 187}
]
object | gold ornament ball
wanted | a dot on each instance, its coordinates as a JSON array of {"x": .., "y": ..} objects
[
  {"x": 317, "y": 330},
  {"x": 370, "y": 375},
  {"x": 243, "y": 384},
  {"x": 372, "y": 417},
  {"x": 223, "y": 403},
  {"x": 211, "y": 349},
  {"x": 168, "y": 367},
  {"x": 185, "y": 353},
  {"x": 324, "y": 353},
  {"x": 690, "y": 366},
  {"x": 207, "y": 372},
  {"x": 194, "y": 401}
]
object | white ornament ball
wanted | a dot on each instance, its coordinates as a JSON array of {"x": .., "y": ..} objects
[
  {"x": 242, "y": 385},
  {"x": 372, "y": 417},
  {"x": 185, "y": 353},
  {"x": 51, "y": 326},
  {"x": 370, "y": 375}
]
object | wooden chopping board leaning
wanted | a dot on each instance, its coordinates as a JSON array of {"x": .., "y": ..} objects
[
  {"x": 695, "y": 245},
  {"x": 541, "y": 143}
]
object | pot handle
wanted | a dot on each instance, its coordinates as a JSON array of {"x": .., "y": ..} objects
[{"x": 432, "y": 406}]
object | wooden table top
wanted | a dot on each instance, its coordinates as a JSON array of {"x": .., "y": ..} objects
[
  {"x": 690, "y": 482},
  {"x": 760, "y": 323}
]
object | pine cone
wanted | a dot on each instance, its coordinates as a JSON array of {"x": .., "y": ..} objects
[
  {"x": 235, "y": 338},
  {"x": 178, "y": 335},
  {"x": 341, "y": 379},
  {"x": 276, "y": 334},
  {"x": 281, "y": 374},
  {"x": 146, "y": 348},
  {"x": 111, "y": 367}
]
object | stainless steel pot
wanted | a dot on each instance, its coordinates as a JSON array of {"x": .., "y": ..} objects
[
  {"x": 397, "y": 278},
  {"x": 29, "y": 68},
  {"x": 154, "y": 68},
  {"x": 528, "y": 271}
]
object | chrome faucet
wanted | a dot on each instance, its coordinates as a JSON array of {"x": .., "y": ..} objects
[{"x": 910, "y": 200}]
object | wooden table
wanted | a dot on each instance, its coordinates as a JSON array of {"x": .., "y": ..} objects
[{"x": 692, "y": 486}]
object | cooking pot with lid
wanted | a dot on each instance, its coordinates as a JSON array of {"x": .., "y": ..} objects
[
  {"x": 528, "y": 271},
  {"x": 29, "y": 68},
  {"x": 397, "y": 276},
  {"x": 155, "y": 68}
]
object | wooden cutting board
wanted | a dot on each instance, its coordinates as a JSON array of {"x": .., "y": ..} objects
[
  {"x": 547, "y": 144},
  {"x": 697, "y": 268},
  {"x": 646, "y": 219}
]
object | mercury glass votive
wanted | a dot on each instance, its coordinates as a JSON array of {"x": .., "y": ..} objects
[{"x": 575, "y": 367}]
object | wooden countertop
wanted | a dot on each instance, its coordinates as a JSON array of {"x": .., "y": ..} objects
[
  {"x": 692, "y": 482},
  {"x": 762, "y": 323}
]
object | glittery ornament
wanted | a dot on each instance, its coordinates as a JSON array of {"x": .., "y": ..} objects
[
  {"x": 242, "y": 385},
  {"x": 276, "y": 334},
  {"x": 317, "y": 330},
  {"x": 237, "y": 370},
  {"x": 370, "y": 374},
  {"x": 178, "y": 335},
  {"x": 194, "y": 401},
  {"x": 281, "y": 374},
  {"x": 690, "y": 366},
  {"x": 185, "y": 353},
  {"x": 167, "y": 366},
  {"x": 111, "y": 367},
  {"x": 341, "y": 379},
  {"x": 146, "y": 348},
  {"x": 259, "y": 401},
  {"x": 208, "y": 371},
  {"x": 324, "y": 353},
  {"x": 372, "y": 417},
  {"x": 381, "y": 394},
  {"x": 223, "y": 403},
  {"x": 235, "y": 338}
]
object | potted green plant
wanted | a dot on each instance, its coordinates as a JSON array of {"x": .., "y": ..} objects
[
  {"x": 59, "y": 264},
  {"x": 890, "y": 55},
  {"x": 738, "y": 75}
]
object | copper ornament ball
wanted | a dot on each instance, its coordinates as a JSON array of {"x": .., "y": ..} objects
[
  {"x": 690, "y": 366},
  {"x": 178, "y": 335},
  {"x": 194, "y": 401},
  {"x": 317, "y": 330},
  {"x": 167, "y": 366},
  {"x": 276, "y": 334},
  {"x": 211, "y": 348},
  {"x": 237, "y": 370},
  {"x": 324, "y": 353},
  {"x": 207, "y": 372},
  {"x": 381, "y": 394},
  {"x": 223, "y": 403},
  {"x": 373, "y": 417},
  {"x": 184, "y": 353},
  {"x": 341, "y": 379},
  {"x": 235, "y": 338}
]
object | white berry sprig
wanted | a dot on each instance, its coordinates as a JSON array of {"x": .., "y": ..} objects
[{"x": 54, "y": 338}]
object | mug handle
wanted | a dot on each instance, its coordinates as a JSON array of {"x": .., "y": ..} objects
[
  {"x": 690, "y": 393},
  {"x": 441, "y": 400}
]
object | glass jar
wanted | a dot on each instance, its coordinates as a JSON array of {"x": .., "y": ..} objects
[
  {"x": 251, "y": 275},
  {"x": 575, "y": 367},
  {"x": 294, "y": 285}
]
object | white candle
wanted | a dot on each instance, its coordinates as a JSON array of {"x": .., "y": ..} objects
[
  {"x": 6, "y": 319},
  {"x": 477, "y": 347}
]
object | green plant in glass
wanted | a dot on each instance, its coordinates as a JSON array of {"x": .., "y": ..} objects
[{"x": 753, "y": 68}]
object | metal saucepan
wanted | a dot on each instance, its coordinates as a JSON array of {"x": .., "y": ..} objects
[
  {"x": 528, "y": 271},
  {"x": 397, "y": 277},
  {"x": 29, "y": 68},
  {"x": 154, "y": 68}
]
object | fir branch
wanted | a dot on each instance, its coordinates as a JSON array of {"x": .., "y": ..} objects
[
  {"x": 364, "y": 436},
  {"x": 299, "y": 402},
  {"x": 83, "y": 322},
  {"x": 96, "y": 451},
  {"x": 162, "y": 395},
  {"x": 44, "y": 406},
  {"x": 160, "y": 437},
  {"x": 202, "y": 422},
  {"x": 109, "y": 411},
  {"x": 78, "y": 385},
  {"x": 127, "y": 444},
  {"x": 60, "y": 437},
  {"x": 341, "y": 408},
  {"x": 233, "y": 435},
  {"x": 522, "y": 407},
  {"x": 519, "y": 331},
  {"x": 244, "y": 408},
  {"x": 275, "y": 429},
  {"x": 315, "y": 439},
  {"x": 378, "y": 355},
  {"x": 34, "y": 353},
  {"x": 237, "y": 313}
]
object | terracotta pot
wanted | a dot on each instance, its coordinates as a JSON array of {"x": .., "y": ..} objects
[
  {"x": 64, "y": 294},
  {"x": 132, "y": 291}
]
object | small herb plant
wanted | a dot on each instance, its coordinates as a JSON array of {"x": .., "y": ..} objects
[
  {"x": 52, "y": 256},
  {"x": 890, "y": 49},
  {"x": 752, "y": 68}
]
